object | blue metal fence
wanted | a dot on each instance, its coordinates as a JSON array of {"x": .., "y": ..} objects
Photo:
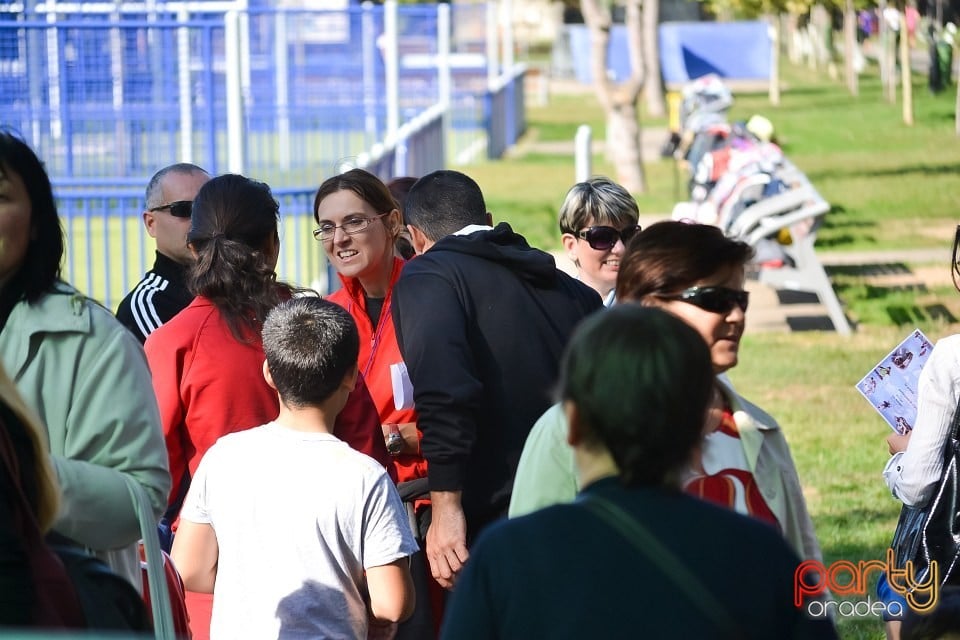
[{"x": 288, "y": 96}]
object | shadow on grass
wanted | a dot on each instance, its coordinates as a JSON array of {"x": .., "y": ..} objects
[
  {"x": 896, "y": 302},
  {"x": 921, "y": 169}
]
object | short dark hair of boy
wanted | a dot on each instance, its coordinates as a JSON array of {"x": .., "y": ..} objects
[
  {"x": 310, "y": 345},
  {"x": 641, "y": 379}
]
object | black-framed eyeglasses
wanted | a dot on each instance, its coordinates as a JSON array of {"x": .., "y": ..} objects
[
  {"x": 955, "y": 260},
  {"x": 713, "y": 299},
  {"x": 178, "y": 209},
  {"x": 604, "y": 238},
  {"x": 350, "y": 226}
]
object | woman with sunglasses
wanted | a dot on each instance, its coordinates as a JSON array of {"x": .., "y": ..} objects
[
  {"x": 358, "y": 223},
  {"x": 696, "y": 273},
  {"x": 597, "y": 218},
  {"x": 207, "y": 361}
]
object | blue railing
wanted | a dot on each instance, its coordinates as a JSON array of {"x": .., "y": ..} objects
[
  {"x": 286, "y": 96},
  {"x": 108, "y": 249}
]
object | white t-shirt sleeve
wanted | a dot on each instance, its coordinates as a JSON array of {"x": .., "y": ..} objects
[
  {"x": 913, "y": 476},
  {"x": 195, "y": 506},
  {"x": 386, "y": 529}
]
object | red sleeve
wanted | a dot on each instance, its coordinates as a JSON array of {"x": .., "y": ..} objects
[
  {"x": 166, "y": 366},
  {"x": 359, "y": 426}
]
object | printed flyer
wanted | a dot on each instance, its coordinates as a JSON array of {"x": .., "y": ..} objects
[{"x": 891, "y": 386}]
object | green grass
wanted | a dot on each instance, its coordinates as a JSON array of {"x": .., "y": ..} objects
[{"x": 891, "y": 187}]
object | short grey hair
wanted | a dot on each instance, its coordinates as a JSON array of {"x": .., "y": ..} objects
[
  {"x": 152, "y": 194},
  {"x": 601, "y": 199}
]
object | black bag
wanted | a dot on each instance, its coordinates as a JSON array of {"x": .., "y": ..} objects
[
  {"x": 107, "y": 600},
  {"x": 931, "y": 533},
  {"x": 72, "y": 589}
]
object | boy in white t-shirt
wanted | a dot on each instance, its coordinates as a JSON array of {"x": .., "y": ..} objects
[{"x": 295, "y": 533}]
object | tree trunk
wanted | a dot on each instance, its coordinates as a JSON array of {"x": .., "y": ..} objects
[
  {"x": 653, "y": 87},
  {"x": 850, "y": 46},
  {"x": 619, "y": 102},
  {"x": 956, "y": 109},
  {"x": 776, "y": 34},
  {"x": 623, "y": 124},
  {"x": 905, "y": 75},
  {"x": 794, "y": 52}
]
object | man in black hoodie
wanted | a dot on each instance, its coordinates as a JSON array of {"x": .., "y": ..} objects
[{"x": 482, "y": 319}]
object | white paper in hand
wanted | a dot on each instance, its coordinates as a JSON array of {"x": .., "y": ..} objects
[{"x": 402, "y": 387}]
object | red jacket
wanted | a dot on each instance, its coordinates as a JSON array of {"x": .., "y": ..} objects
[
  {"x": 378, "y": 350},
  {"x": 209, "y": 384}
]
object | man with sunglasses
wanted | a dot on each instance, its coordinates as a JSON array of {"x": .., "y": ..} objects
[{"x": 162, "y": 293}]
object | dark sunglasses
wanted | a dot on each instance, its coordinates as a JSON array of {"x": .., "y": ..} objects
[
  {"x": 714, "y": 299},
  {"x": 178, "y": 209},
  {"x": 604, "y": 238},
  {"x": 955, "y": 260}
]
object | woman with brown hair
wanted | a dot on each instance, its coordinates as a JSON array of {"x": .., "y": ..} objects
[
  {"x": 359, "y": 223},
  {"x": 696, "y": 273}
]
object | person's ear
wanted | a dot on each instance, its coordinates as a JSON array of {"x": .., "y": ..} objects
[
  {"x": 267, "y": 376},
  {"x": 489, "y": 219},
  {"x": 350, "y": 378},
  {"x": 394, "y": 223},
  {"x": 150, "y": 222},
  {"x": 418, "y": 239},
  {"x": 575, "y": 427},
  {"x": 569, "y": 245}
]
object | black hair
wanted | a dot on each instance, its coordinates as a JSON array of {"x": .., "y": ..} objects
[
  {"x": 641, "y": 379},
  {"x": 310, "y": 344},
  {"x": 443, "y": 202},
  {"x": 233, "y": 223},
  {"x": 41, "y": 265}
]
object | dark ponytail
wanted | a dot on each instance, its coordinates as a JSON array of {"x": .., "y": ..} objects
[{"x": 234, "y": 226}]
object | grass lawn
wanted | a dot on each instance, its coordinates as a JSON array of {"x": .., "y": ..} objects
[{"x": 891, "y": 187}]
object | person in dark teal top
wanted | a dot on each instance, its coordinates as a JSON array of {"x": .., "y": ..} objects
[{"x": 633, "y": 556}]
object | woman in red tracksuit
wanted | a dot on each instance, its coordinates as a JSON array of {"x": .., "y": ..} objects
[
  {"x": 207, "y": 361},
  {"x": 358, "y": 222}
]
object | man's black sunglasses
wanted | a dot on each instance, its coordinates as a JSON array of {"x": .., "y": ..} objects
[
  {"x": 178, "y": 209},
  {"x": 714, "y": 299},
  {"x": 604, "y": 238}
]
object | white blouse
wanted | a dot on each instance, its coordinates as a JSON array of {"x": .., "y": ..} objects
[{"x": 912, "y": 475}]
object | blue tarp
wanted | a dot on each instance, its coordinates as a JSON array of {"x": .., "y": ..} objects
[{"x": 733, "y": 50}]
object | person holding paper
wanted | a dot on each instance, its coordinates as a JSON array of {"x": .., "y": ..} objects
[{"x": 358, "y": 223}]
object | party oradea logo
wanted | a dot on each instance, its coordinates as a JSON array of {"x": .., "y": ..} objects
[{"x": 845, "y": 578}]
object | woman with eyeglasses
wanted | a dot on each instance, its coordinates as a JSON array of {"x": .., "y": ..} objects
[
  {"x": 207, "y": 362},
  {"x": 696, "y": 273},
  {"x": 597, "y": 219},
  {"x": 358, "y": 223}
]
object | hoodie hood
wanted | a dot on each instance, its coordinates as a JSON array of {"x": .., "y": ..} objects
[{"x": 503, "y": 246}]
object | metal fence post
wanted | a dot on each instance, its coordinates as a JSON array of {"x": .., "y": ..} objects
[
  {"x": 282, "y": 86},
  {"x": 493, "y": 53},
  {"x": 444, "y": 86},
  {"x": 369, "y": 48},
  {"x": 185, "y": 93},
  {"x": 582, "y": 144},
  {"x": 234, "y": 71},
  {"x": 391, "y": 66}
]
